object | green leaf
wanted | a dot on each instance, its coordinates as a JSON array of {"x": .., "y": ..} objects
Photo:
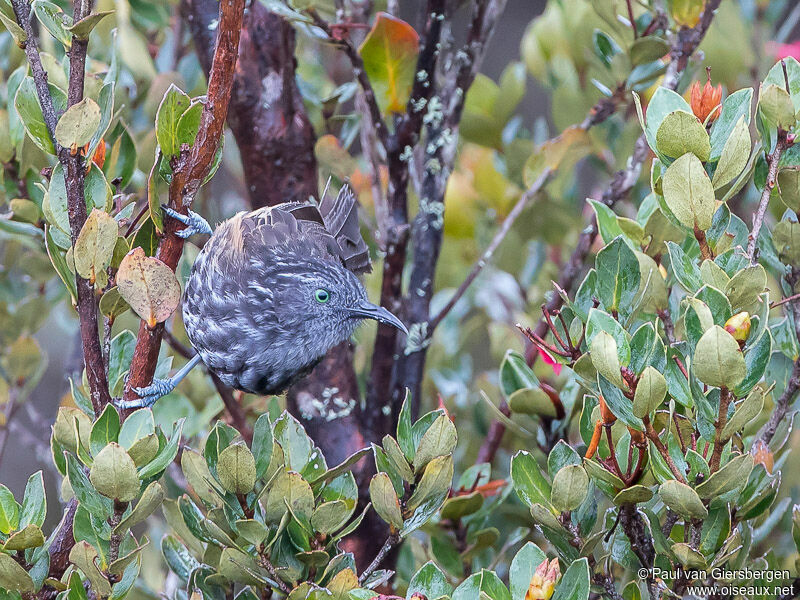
[
  {"x": 54, "y": 20},
  {"x": 735, "y": 107},
  {"x": 83, "y": 28},
  {"x": 385, "y": 501},
  {"x": 574, "y": 584},
  {"x": 105, "y": 430},
  {"x": 619, "y": 404},
  {"x": 17, "y": 32},
  {"x": 633, "y": 495},
  {"x": 236, "y": 469},
  {"x": 682, "y": 499},
  {"x": 390, "y": 53},
  {"x": 404, "y": 438},
  {"x": 262, "y": 444},
  {"x": 529, "y": 401},
  {"x": 485, "y": 584},
  {"x": 114, "y": 475},
  {"x": 786, "y": 236},
  {"x": 688, "y": 192},
  {"x": 730, "y": 477},
  {"x": 77, "y": 126},
  {"x": 529, "y": 482},
  {"x": 663, "y": 102},
  {"x": 775, "y": 104},
  {"x": 570, "y": 486},
  {"x": 429, "y": 581},
  {"x": 34, "y": 502},
  {"x": 172, "y": 107},
  {"x": 438, "y": 440},
  {"x": 602, "y": 321},
  {"x": 745, "y": 287},
  {"x": 684, "y": 268},
  {"x": 650, "y": 392},
  {"x": 718, "y": 361},
  {"x": 85, "y": 557},
  {"x": 735, "y": 155},
  {"x": 329, "y": 517},
  {"x": 29, "y": 536},
  {"x": 603, "y": 352},
  {"x": 9, "y": 511},
  {"x": 618, "y": 276},
  {"x": 434, "y": 485},
  {"x": 165, "y": 456},
  {"x": 515, "y": 374},
  {"x": 150, "y": 500},
  {"x": 289, "y": 487},
  {"x": 681, "y": 132},
  {"x": 139, "y": 423},
  {"x": 13, "y": 577},
  {"x": 522, "y": 568},
  {"x": 30, "y": 112}
]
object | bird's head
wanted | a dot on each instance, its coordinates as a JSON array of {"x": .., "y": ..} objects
[{"x": 331, "y": 302}]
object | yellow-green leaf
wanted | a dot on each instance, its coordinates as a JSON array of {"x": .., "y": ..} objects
[
  {"x": 95, "y": 244},
  {"x": 718, "y": 361},
  {"x": 390, "y": 53},
  {"x": 76, "y": 127}
]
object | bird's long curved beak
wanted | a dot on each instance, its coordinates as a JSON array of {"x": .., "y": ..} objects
[{"x": 367, "y": 310}]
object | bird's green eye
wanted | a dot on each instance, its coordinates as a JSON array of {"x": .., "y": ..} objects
[{"x": 322, "y": 296}]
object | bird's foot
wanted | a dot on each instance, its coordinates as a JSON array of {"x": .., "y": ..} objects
[
  {"x": 148, "y": 394},
  {"x": 194, "y": 222}
]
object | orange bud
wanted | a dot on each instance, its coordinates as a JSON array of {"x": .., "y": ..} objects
[
  {"x": 608, "y": 417},
  {"x": 763, "y": 455},
  {"x": 595, "y": 441},
  {"x": 706, "y": 100},
  {"x": 739, "y": 326},
  {"x": 99, "y": 156}
]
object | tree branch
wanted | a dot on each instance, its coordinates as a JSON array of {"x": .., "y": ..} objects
[
  {"x": 390, "y": 543},
  {"x": 191, "y": 168},
  {"x": 74, "y": 173}
]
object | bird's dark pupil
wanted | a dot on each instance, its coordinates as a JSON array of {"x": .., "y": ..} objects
[{"x": 322, "y": 296}]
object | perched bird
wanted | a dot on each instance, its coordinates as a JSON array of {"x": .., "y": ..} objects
[{"x": 271, "y": 292}]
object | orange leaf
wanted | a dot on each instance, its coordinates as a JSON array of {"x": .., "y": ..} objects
[{"x": 390, "y": 60}]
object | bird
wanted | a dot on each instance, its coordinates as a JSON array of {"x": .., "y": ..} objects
[{"x": 271, "y": 292}]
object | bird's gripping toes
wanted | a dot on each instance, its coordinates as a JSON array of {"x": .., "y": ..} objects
[
  {"x": 194, "y": 222},
  {"x": 271, "y": 292}
]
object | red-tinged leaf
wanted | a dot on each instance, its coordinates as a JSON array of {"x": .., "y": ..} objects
[{"x": 390, "y": 60}]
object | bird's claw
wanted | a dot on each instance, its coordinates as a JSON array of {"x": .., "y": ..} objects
[
  {"x": 148, "y": 394},
  {"x": 194, "y": 222}
]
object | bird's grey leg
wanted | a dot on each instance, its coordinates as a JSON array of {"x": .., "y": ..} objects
[
  {"x": 160, "y": 387},
  {"x": 194, "y": 222}
]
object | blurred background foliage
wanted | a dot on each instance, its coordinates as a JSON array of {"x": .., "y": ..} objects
[{"x": 548, "y": 65}]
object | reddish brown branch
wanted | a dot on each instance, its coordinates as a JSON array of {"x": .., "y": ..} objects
[{"x": 191, "y": 168}]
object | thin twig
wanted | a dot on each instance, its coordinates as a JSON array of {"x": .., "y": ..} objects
[
  {"x": 772, "y": 177},
  {"x": 390, "y": 543},
  {"x": 486, "y": 257}
]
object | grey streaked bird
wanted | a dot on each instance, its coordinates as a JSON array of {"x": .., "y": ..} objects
[{"x": 271, "y": 292}]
